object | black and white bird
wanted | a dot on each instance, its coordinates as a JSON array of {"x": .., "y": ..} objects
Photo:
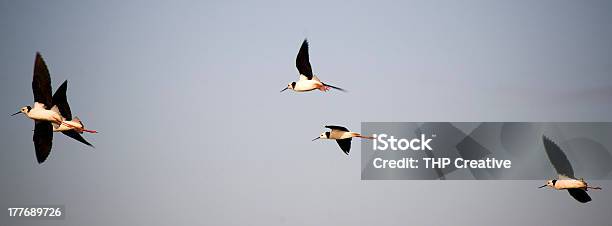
[
  {"x": 42, "y": 112},
  {"x": 47, "y": 112},
  {"x": 72, "y": 127},
  {"x": 566, "y": 180},
  {"x": 342, "y": 136},
  {"x": 307, "y": 81}
]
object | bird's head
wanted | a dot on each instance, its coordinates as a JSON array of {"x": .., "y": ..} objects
[
  {"x": 324, "y": 135},
  {"x": 549, "y": 183},
  {"x": 24, "y": 110},
  {"x": 289, "y": 86}
]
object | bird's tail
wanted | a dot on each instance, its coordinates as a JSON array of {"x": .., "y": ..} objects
[
  {"x": 595, "y": 188},
  {"x": 587, "y": 186},
  {"x": 76, "y": 119},
  {"x": 362, "y": 136},
  {"x": 335, "y": 87}
]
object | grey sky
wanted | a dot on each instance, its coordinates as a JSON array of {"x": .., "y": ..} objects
[{"x": 194, "y": 131}]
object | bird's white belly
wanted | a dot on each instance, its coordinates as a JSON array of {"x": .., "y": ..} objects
[
  {"x": 346, "y": 135},
  {"x": 339, "y": 135},
  {"x": 567, "y": 184},
  {"x": 307, "y": 85},
  {"x": 336, "y": 135},
  {"x": 44, "y": 115}
]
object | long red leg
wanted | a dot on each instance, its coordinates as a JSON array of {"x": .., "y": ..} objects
[
  {"x": 323, "y": 88},
  {"x": 90, "y": 131}
]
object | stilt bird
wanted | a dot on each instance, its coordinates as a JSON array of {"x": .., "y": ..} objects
[
  {"x": 72, "y": 127},
  {"x": 308, "y": 81},
  {"x": 47, "y": 112},
  {"x": 41, "y": 113},
  {"x": 342, "y": 136},
  {"x": 566, "y": 180}
]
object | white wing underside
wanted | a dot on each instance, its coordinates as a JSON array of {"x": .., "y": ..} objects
[
  {"x": 56, "y": 109},
  {"x": 39, "y": 105},
  {"x": 304, "y": 78}
]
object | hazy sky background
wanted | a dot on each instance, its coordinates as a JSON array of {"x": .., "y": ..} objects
[{"x": 194, "y": 131}]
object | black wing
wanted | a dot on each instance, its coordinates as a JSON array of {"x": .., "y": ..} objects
[
  {"x": 302, "y": 62},
  {"x": 579, "y": 194},
  {"x": 337, "y": 128},
  {"x": 43, "y": 140},
  {"x": 74, "y": 135},
  {"x": 61, "y": 101},
  {"x": 345, "y": 145},
  {"x": 558, "y": 158},
  {"x": 41, "y": 83}
]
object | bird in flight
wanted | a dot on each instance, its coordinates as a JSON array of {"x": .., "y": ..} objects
[
  {"x": 342, "y": 136},
  {"x": 72, "y": 127},
  {"x": 45, "y": 113},
  {"x": 566, "y": 180},
  {"x": 307, "y": 81}
]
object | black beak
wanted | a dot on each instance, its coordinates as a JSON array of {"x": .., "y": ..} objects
[
  {"x": 284, "y": 89},
  {"x": 16, "y": 113},
  {"x": 542, "y": 186},
  {"x": 316, "y": 138}
]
